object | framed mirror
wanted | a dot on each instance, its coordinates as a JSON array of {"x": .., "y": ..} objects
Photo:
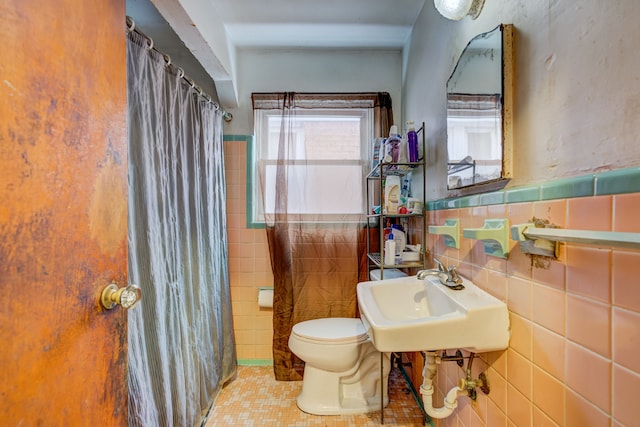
[{"x": 479, "y": 114}]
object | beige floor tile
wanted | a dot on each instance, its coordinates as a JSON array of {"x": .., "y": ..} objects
[{"x": 255, "y": 398}]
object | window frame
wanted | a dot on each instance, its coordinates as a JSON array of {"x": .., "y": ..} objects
[{"x": 259, "y": 163}]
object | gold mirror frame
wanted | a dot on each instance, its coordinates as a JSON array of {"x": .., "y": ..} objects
[{"x": 507, "y": 32}]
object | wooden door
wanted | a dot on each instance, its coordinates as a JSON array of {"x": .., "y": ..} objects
[{"x": 63, "y": 212}]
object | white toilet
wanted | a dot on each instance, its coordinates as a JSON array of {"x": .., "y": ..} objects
[{"x": 342, "y": 368}]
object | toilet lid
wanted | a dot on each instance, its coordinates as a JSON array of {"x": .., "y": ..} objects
[{"x": 332, "y": 329}]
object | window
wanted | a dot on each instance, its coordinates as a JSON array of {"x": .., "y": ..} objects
[
  {"x": 474, "y": 128},
  {"x": 327, "y": 160}
]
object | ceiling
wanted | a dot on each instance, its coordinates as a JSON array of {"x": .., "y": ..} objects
[
  {"x": 213, "y": 30},
  {"x": 313, "y": 23}
]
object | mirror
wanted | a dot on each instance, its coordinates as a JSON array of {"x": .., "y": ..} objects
[{"x": 479, "y": 99}]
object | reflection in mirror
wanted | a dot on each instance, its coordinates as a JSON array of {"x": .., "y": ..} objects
[{"x": 476, "y": 106}]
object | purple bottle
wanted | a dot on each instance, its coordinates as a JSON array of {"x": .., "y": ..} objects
[{"x": 412, "y": 142}]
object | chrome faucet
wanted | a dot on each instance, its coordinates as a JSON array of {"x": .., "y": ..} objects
[{"x": 447, "y": 276}]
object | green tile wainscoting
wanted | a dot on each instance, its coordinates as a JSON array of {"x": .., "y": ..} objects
[
  {"x": 255, "y": 362},
  {"x": 605, "y": 183}
]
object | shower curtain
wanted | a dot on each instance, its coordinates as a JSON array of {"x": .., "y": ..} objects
[
  {"x": 181, "y": 344},
  {"x": 316, "y": 262}
]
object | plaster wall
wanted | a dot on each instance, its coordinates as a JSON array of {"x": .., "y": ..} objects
[
  {"x": 148, "y": 20},
  {"x": 577, "y": 98},
  {"x": 313, "y": 70},
  {"x": 577, "y": 85}
]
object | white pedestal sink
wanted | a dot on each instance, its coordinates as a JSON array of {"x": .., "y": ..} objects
[{"x": 407, "y": 314}]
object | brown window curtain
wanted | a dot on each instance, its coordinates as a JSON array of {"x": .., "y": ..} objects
[
  {"x": 463, "y": 105},
  {"x": 316, "y": 263}
]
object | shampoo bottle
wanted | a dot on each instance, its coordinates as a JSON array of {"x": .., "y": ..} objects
[
  {"x": 390, "y": 250},
  {"x": 392, "y": 194}
]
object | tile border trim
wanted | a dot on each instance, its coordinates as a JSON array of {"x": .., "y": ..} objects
[
  {"x": 618, "y": 181},
  {"x": 248, "y": 140},
  {"x": 255, "y": 362}
]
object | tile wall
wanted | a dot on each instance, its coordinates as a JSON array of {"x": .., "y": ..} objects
[
  {"x": 249, "y": 265},
  {"x": 574, "y": 355}
]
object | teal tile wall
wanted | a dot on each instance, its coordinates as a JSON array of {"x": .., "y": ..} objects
[
  {"x": 618, "y": 181},
  {"x": 255, "y": 362},
  {"x": 599, "y": 184},
  {"x": 581, "y": 186}
]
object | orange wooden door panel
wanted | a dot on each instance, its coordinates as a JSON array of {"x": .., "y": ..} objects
[{"x": 63, "y": 212}]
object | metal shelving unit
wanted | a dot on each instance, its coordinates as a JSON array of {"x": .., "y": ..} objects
[{"x": 375, "y": 194}]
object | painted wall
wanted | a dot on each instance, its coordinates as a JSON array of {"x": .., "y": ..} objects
[
  {"x": 577, "y": 97},
  {"x": 574, "y": 320},
  {"x": 314, "y": 70},
  {"x": 148, "y": 20},
  {"x": 263, "y": 70}
]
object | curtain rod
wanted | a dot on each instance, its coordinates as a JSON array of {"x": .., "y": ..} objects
[{"x": 131, "y": 27}]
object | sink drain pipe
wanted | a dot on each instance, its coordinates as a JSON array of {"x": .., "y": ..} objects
[{"x": 427, "y": 390}]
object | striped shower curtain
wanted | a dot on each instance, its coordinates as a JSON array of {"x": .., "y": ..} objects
[{"x": 181, "y": 345}]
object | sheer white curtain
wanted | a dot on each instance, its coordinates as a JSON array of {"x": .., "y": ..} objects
[
  {"x": 317, "y": 258},
  {"x": 181, "y": 346}
]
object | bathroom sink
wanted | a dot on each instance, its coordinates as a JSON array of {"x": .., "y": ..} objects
[{"x": 408, "y": 314}]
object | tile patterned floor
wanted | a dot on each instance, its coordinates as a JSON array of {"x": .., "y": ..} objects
[{"x": 255, "y": 398}]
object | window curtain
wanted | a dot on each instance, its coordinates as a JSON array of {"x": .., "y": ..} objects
[
  {"x": 463, "y": 105},
  {"x": 316, "y": 265},
  {"x": 181, "y": 345}
]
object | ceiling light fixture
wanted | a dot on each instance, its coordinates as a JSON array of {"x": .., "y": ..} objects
[{"x": 458, "y": 9}]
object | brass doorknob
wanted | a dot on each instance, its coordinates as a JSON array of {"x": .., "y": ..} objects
[{"x": 127, "y": 297}]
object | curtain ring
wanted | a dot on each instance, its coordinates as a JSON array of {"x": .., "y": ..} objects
[
  {"x": 149, "y": 43},
  {"x": 180, "y": 72},
  {"x": 131, "y": 24},
  {"x": 167, "y": 59}
]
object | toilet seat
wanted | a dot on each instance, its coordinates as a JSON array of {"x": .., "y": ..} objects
[{"x": 337, "y": 330}]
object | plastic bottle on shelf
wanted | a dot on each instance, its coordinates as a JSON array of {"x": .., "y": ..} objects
[
  {"x": 412, "y": 141},
  {"x": 403, "y": 156},
  {"x": 405, "y": 191},
  {"x": 387, "y": 229},
  {"x": 399, "y": 238},
  {"x": 392, "y": 194},
  {"x": 382, "y": 153},
  {"x": 392, "y": 146},
  {"x": 390, "y": 250}
]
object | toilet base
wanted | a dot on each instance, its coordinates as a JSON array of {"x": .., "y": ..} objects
[{"x": 356, "y": 391}]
